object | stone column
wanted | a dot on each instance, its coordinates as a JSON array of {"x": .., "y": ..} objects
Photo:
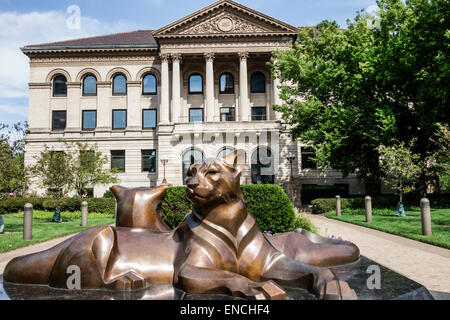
[
  {"x": 176, "y": 90},
  {"x": 165, "y": 95},
  {"x": 243, "y": 87},
  {"x": 210, "y": 105}
]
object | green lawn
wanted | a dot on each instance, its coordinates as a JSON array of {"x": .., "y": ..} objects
[
  {"x": 43, "y": 229},
  {"x": 409, "y": 227}
]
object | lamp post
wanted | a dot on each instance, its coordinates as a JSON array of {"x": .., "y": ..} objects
[
  {"x": 291, "y": 157},
  {"x": 164, "y": 161}
]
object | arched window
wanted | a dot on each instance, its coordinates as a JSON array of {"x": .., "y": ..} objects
[
  {"x": 258, "y": 83},
  {"x": 90, "y": 86},
  {"x": 195, "y": 84},
  {"x": 60, "y": 86},
  {"x": 263, "y": 170},
  {"x": 119, "y": 85},
  {"x": 190, "y": 157},
  {"x": 225, "y": 152},
  {"x": 226, "y": 83},
  {"x": 149, "y": 85}
]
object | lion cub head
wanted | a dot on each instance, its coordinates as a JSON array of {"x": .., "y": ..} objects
[
  {"x": 212, "y": 182},
  {"x": 140, "y": 208}
]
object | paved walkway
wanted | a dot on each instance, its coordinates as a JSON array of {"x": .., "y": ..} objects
[
  {"x": 426, "y": 264},
  {"x": 6, "y": 257}
]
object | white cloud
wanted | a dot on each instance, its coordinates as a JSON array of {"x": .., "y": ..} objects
[{"x": 20, "y": 29}]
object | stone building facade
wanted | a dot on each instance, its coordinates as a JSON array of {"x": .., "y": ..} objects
[{"x": 199, "y": 87}]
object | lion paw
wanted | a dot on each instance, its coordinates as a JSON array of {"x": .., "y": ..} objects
[
  {"x": 130, "y": 281},
  {"x": 269, "y": 291}
]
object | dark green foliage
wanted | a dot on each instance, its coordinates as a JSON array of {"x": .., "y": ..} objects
[
  {"x": 175, "y": 206},
  {"x": 323, "y": 205},
  {"x": 269, "y": 205},
  {"x": 108, "y": 194}
]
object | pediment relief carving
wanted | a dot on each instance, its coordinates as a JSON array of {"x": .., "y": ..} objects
[
  {"x": 225, "y": 17},
  {"x": 225, "y": 23}
]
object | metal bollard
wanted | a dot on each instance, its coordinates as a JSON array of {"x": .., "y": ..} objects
[
  {"x": 368, "y": 203},
  {"x": 425, "y": 210},
  {"x": 84, "y": 214},
  {"x": 338, "y": 206},
  {"x": 28, "y": 222}
]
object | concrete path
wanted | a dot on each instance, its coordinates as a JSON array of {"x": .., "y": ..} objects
[
  {"x": 6, "y": 257},
  {"x": 426, "y": 264}
]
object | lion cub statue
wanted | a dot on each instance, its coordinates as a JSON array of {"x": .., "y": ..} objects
[{"x": 218, "y": 248}]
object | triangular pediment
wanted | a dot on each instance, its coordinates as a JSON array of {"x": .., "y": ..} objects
[{"x": 225, "y": 17}]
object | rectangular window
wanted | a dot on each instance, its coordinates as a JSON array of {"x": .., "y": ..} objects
[
  {"x": 259, "y": 114},
  {"x": 89, "y": 119},
  {"x": 118, "y": 160},
  {"x": 307, "y": 155},
  {"x": 149, "y": 161},
  {"x": 227, "y": 114},
  {"x": 195, "y": 115},
  {"x": 59, "y": 119},
  {"x": 149, "y": 119},
  {"x": 119, "y": 119}
]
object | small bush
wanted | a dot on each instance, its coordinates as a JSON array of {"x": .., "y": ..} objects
[
  {"x": 300, "y": 221},
  {"x": 108, "y": 195},
  {"x": 175, "y": 207},
  {"x": 269, "y": 204}
]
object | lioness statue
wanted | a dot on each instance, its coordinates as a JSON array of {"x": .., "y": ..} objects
[{"x": 218, "y": 248}]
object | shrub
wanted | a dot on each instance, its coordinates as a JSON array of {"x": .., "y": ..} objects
[
  {"x": 269, "y": 204},
  {"x": 300, "y": 221},
  {"x": 108, "y": 195},
  {"x": 100, "y": 205},
  {"x": 175, "y": 207}
]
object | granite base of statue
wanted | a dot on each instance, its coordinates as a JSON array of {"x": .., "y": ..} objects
[{"x": 217, "y": 253}]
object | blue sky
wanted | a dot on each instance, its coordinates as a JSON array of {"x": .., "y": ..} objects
[{"x": 25, "y": 22}]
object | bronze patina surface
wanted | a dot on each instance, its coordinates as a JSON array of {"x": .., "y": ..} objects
[{"x": 218, "y": 248}]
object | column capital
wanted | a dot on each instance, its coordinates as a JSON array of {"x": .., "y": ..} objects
[
  {"x": 243, "y": 55},
  {"x": 209, "y": 56},
  {"x": 164, "y": 57},
  {"x": 176, "y": 57}
]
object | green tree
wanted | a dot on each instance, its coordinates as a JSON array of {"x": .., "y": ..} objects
[
  {"x": 347, "y": 92},
  {"x": 399, "y": 168},
  {"x": 88, "y": 167},
  {"x": 13, "y": 176},
  {"x": 78, "y": 167},
  {"x": 52, "y": 171}
]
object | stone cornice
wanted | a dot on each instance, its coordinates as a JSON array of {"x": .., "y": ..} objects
[{"x": 42, "y": 85}]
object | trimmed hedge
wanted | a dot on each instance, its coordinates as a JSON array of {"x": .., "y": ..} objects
[
  {"x": 269, "y": 204},
  {"x": 98, "y": 205},
  {"x": 324, "y": 205}
]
